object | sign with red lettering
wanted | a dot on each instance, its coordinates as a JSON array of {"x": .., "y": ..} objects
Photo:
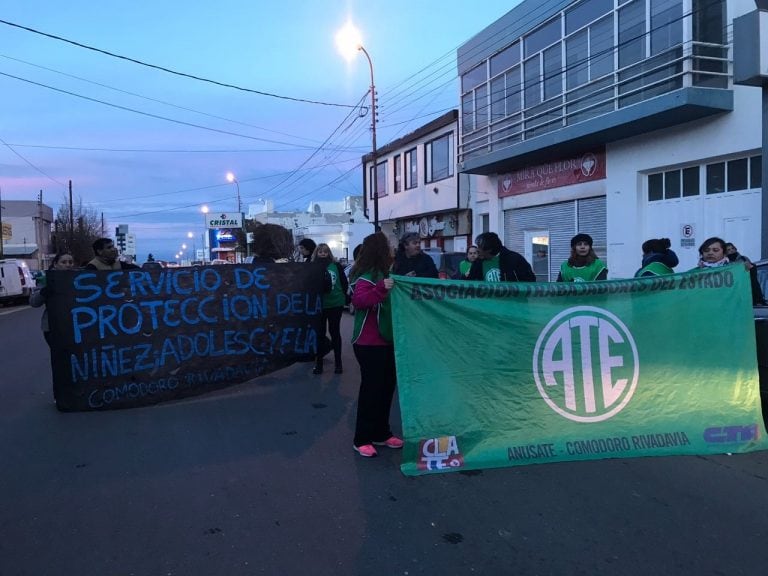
[{"x": 582, "y": 168}]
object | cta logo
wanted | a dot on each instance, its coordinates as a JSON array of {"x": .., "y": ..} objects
[
  {"x": 439, "y": 454},
  {"x": 585, "y": 364},
  {"x": 731, "y": 434}
]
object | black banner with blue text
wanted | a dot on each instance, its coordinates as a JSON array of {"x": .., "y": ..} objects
[{"x": 132, "y": 338}]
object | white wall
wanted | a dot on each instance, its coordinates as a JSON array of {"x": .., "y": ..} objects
[{"x": 734, "y": 216}]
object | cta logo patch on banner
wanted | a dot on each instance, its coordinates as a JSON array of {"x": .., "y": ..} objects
[
  {"x": 585, "y": 364},
  {"x": 439, "y": 453},
  {"x": 732, "y": 434}
]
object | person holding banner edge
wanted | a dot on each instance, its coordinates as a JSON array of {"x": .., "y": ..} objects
[
  {"x": 583, "y": 264},
  {"x": 373, "y": 346},
  {"x": 495, "y": 263}
]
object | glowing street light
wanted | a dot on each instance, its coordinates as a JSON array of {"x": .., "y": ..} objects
[
  {"x": 232, "y": 178},
  {"x": 348, "y": 43}
]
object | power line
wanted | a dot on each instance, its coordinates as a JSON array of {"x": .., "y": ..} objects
[
  {"x": 156, "y": 100},
  {"x": 148, "y": 114},
  {"x": 170, "y": 71}
]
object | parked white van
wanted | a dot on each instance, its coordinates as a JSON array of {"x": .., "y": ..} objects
[{"x": 16, "y": 283}]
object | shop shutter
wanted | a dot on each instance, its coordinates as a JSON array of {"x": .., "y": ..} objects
[{"x": 561, "y": 221}]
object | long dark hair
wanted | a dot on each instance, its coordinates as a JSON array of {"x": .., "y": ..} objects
[{"x": 375, "y": 256}]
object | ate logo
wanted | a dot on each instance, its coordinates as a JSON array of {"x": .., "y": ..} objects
[{"x": 585, "y": 364}]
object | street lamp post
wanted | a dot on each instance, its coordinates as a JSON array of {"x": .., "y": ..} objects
[
  {"x": 204, "y": 210},
  {"x": 349, "y": 42},
  {"x": 232, "y": 178},
  {"x": 191, "y": 236}
]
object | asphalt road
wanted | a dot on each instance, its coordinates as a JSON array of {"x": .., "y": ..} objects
[{"x": 261, "y": 479}]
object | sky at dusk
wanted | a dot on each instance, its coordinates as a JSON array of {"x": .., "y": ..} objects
[{"x": 148, "y": 147}]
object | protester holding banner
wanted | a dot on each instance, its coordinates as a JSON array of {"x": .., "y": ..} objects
[
  {"x": 105, "y": 257},
  {"x": 712, "y": 253},
  {"x": 372, "y": 343},
  {"x": 495, "y": 263},
  {"x": 411, "y": 261},
  {"x": 272, "y": 243},
  {"x": 583, "y": 264},
  {"x": 658, "y": 258},
  {"x": 62, "y": 261},
  {"x": 333, "y": 304},
  {"x": 465, "y": 265}
]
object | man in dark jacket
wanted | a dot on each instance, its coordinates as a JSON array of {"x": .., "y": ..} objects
[
  {"x": 105, "y": 257},
  {"x": 498, "y": 264},
  {"x": 411, "y": 261}
]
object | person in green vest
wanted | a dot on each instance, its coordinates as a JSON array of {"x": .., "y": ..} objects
[
  {"x": 658, "y": 258},
  {"x": 583, "y": 265},
  {"x": 465, "y": 265},
  {"x": 373, "y": 346},
  {"x": 496, "y": 263},
  {"x": 333, "y": 305}
]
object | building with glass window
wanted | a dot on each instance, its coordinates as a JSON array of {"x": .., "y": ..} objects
[
  {"x": 617, "y": 118},
  {"x": 419, "y": 189}
]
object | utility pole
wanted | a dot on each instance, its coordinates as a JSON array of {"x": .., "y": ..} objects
[
  {"x": 71, "y": 220},
  {"x": 1, "y": 222}
]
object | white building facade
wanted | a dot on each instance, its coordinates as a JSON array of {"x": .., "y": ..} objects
[
  {"x": 340, "y": 224},
  {"x": 419, "y": 188},
  {"x": 618, "y": 118}
]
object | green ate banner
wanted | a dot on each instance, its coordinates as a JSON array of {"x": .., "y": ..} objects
[{"x": 495, "y": 375}]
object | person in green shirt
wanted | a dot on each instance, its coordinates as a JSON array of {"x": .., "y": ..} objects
[
  {"x": 583, "y": 264},
  {"x": 333, "y": 305},
  {"x": 465, "y": 265},
  {"x": 658, "y": 258}
]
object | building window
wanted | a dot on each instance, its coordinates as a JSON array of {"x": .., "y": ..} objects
[
  {"x": 666, "y": 25},
  {"x": 632, "y": 33},
  {"x": 691, "y": 181},
  {"x": 485, "y": 223},
  {"x": 381, "y": 180},
  {"x": 585, "y": 12},
  {"x": 505, "y": 95},
  {"x": 655, "y": 187},
  {"x": 438, "y": 154},
  {"x": 755, "y": 172},
  {"x": 737, "y": 174},
  {"x": 505, "y": 59},
  {"x": 673, "y": 184},
  {"x": 716, "y": 178},
  {"x": 411, "y": 169},
  {"x": 553, "y": 76},
  {"x": 398, "y": 166},
  {"x": 542, "y": 37}
]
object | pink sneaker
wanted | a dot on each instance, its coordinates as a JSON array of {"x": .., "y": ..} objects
[
  {"x": 391, "y": 442},
  {"x": 366, "y": 450}
]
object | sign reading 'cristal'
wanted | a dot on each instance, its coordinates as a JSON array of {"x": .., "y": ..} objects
[{"x": 225, "y": 220}]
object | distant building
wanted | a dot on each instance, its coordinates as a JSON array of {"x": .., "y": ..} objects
[
  {"x": 125, "y": 242},
  {"x": 419, "y": 188},
  {"x": 26, "y": 232},
  {"x": 340, "y": 224}
]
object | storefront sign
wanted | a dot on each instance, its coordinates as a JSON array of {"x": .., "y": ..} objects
[
  {"x": 225, "y": 220},
  {"x": 581, "y": 168}
]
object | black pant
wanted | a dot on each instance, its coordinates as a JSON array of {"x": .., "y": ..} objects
[
  {"x": 377, "y": 387},
  {"x": 332, "y": 318}
]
